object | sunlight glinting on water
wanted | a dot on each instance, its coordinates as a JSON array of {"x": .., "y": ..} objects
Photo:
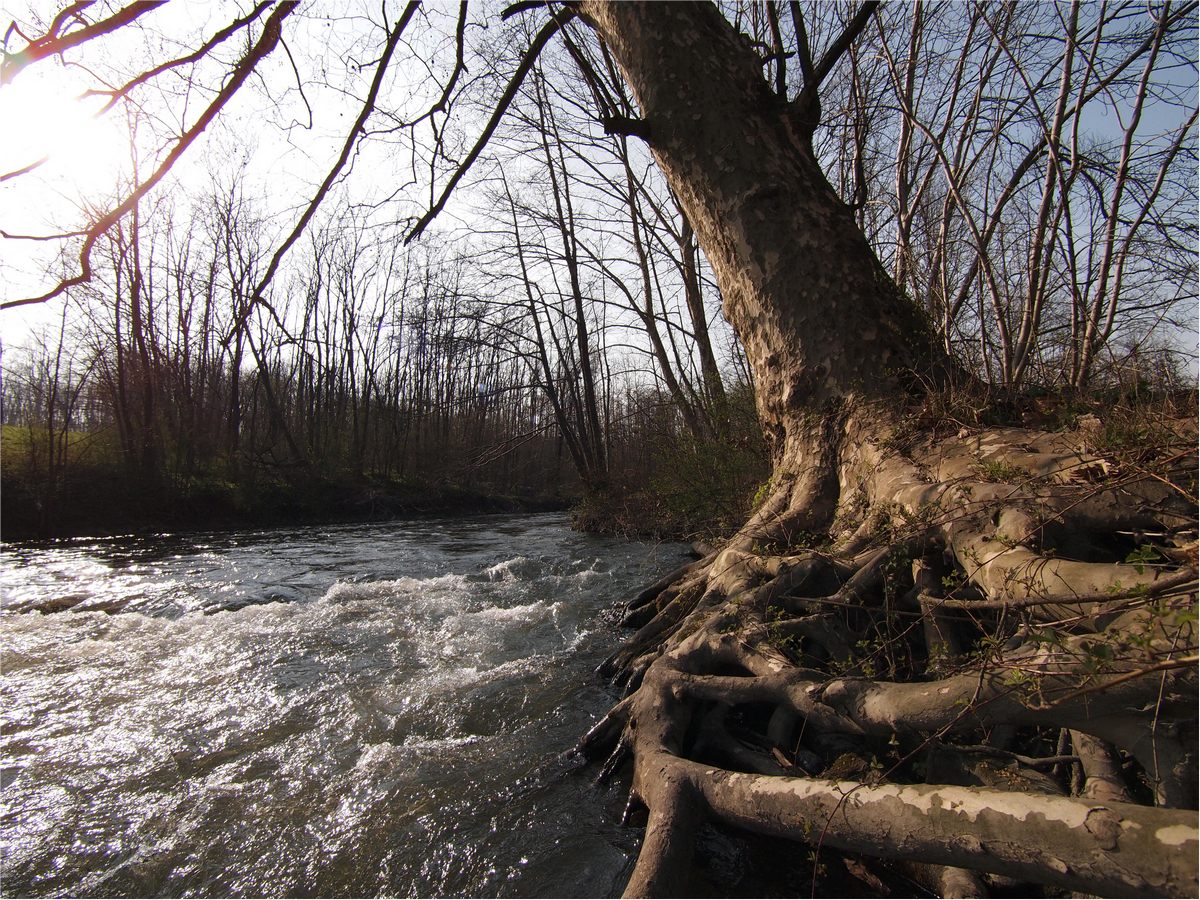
[{"x": 383, "y": 717}]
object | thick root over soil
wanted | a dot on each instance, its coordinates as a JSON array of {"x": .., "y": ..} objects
[{"x": 977, "y": 655}]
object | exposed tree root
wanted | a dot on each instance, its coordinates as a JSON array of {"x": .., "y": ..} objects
[{"x": 974, "y": 655}]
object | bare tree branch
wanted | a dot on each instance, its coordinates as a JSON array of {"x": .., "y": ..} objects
[
  {"x": 267, "y": 42},
  {"x": 357, "y": 129},
  {"x": 540, "y": 40},
  {"x": 219, "y": 37},
  {"x": 24, "y": 170},
  {"x": 52, "y": 43},
  {"x": 835, "y": 52}
]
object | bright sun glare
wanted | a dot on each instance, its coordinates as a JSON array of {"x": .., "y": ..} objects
[{"x": 42, "y": 116}]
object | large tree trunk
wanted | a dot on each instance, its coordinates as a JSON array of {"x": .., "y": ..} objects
[
  {"x": 823, "y": 326},
  {"x": 820, "y": 318},
  {"x": 838, "y": 355}
]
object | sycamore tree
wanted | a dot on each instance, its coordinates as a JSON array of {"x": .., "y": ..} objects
[
  {"x": 774, "y": 633},
  {"x": 968, "y": 647}
]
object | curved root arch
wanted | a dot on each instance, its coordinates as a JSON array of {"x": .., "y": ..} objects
[{"x": 955, "y": 655}]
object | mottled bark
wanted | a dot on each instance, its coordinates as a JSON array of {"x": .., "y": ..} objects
[{"x": 819, "y": 318}]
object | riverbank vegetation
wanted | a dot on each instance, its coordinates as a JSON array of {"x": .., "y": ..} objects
[
  {"x": 570, "y": 352},
  {"x": 949, "y": 612}
]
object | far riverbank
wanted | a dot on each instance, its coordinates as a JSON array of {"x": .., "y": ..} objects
[{"x": 96, "y": 503}]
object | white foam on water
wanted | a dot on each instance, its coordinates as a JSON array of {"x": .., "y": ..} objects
[
  {"x": 438, "y": 586},
  {"x": 512, "y": 569},
  {"x": 434, "y": 746},
  {"x": 233, "y": 753}
]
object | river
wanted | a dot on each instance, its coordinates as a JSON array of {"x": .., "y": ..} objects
[{"x": 328, "y": 711}]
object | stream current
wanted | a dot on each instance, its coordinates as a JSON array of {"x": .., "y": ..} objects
[{"x": 328, "y": 711}]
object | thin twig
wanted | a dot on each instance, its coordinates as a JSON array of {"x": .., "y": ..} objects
[{"x": 1139, "y": 591}]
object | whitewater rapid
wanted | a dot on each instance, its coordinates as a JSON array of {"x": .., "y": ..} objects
[{"x": 346, "y": 711}]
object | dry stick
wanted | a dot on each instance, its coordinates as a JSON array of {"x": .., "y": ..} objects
[
  {"x": 829, "y": 601},
  {"x": 1180, "y": 663},
  {"x": 1162, "y": 687},
  {"x": 1189, "y": 497},
  {"x": 1034, "y": 762},
  {"x": 1071, "y": 621}
]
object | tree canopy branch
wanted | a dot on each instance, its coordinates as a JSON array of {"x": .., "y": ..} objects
[
  {"x": 540, "y": 40},
  {"x": 351, "y": 139},
  {"x": 218, "y": 38},
  {"x": 51, "y": 43},
  {"x": 266, "y": 43},
  {"x": 812, "y": 80}
]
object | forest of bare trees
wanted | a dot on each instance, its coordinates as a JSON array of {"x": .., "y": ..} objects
[
  {"x": 425, "y": 366},
  {"x": 576, "y": 323}
]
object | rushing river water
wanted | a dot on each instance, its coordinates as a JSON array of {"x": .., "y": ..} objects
[{"x": 332, "y": 711}]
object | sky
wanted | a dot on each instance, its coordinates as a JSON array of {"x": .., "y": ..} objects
[
  {"x": 287, "y": 138},
  {"x": 286, "y": 125}
]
